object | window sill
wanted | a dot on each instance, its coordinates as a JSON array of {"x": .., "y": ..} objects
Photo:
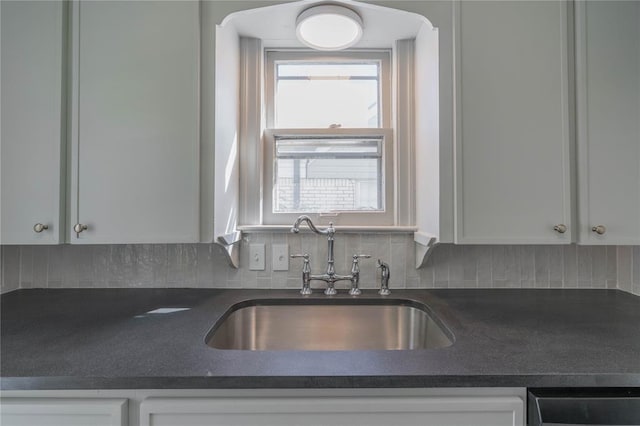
[{"x": 252, "y": 229}]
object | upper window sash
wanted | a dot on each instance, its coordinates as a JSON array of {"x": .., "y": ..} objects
[{"x": 381, "y": 57}]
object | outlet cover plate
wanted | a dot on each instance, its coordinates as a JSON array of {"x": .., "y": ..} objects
[
  {"x": 280, "y": 257},
  {"x": 256, "y": 257}
]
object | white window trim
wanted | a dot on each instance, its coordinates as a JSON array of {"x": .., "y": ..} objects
[{"x": 400, "y": 205}]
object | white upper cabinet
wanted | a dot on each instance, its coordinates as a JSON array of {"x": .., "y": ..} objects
[
  {"x": 32, "y": 142},
  {"x": 135, "y": 122},
  {"x": 512, "y": 123},
  {"x": 608, "y": 121}
]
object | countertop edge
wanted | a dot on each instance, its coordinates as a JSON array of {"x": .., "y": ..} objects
[{"x": 318, "y": 382}]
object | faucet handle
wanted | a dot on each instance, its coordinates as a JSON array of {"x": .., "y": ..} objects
[
  {"x": 306, "y": 273},
  {"x": 305, "y": 259},
  {"x": 385, "y": 274},
  {"x": 355, "y": 274},
  {"x": 361, "y": 256},
  {"x": 356, "y": 258}
]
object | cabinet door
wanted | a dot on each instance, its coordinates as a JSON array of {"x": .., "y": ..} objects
[
  {"x": 512, "y": 131},
  {"x": 608, "y": 105},
  {"x": 135, "y": 142},
  {"x": 32, "y": 121},
  {"x": 345, "y": 411},
  {"x": 63, "y": 412}
]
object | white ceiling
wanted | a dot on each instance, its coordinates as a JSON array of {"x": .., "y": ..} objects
[{"x": 276, "y": 25}]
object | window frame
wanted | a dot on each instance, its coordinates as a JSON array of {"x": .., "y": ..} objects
[
  {"x": 252, "y": 124},
  {"x": 385, "y": 132}
]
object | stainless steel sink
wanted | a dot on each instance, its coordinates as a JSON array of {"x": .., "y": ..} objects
[{"x": 329, "y": 325}]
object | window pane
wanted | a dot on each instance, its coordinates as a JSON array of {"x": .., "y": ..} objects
[
  {"x": 318, "y": 175},
  {"x": 317, "y": 95}
]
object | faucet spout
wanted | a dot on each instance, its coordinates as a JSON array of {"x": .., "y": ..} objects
[{"x": 329, "y": 231}]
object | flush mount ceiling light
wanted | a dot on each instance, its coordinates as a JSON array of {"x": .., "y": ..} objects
[{"x": 329, "y": 27}]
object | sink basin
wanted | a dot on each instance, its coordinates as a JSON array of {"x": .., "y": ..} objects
[{"x": 329, "y": 325}]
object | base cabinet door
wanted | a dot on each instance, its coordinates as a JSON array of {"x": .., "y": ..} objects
[
  {"x": 365, "y": 411},
  {"x": 63, "y": 412}
]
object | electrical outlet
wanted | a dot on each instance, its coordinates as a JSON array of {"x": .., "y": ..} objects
[
  {"x": 280, "y": 257},
  {"x": 256, "y": 257}
]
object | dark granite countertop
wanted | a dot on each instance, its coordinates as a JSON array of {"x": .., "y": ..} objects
[{"x": 106, "y": 339}]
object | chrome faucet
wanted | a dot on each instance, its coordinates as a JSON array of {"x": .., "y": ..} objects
[{"x": 330, "y": 277}]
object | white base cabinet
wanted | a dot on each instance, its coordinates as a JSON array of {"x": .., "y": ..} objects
[
  {"x": 63, "y": 412},
  {"x": 268, "y": 407},
  {"x": 365, "y": 411}
]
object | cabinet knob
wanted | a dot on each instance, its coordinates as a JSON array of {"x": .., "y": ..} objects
[
  {"x": 600, "y": 229},
  {"x": 560, "y": 229},
  {"x": 39, "y": 227},
  {"x": 78, "y": 228}
]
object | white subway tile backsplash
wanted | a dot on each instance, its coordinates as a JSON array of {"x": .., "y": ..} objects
[
  {"x": 570, "y": 266},
  {"x": 556, "y": 265},
  {"x": 625, "y": 268},
  {"x": 10, "y": 270},
  {"x": 541, "y": 266},
  {"x": 425, "y": 274},
  {"x": 599, "y": 266},
  {"x": 398, "y": 256},
  {"x": 205, "y": 262},
  {"x": 483, "y": 263},
  {"x": 499, "y": 270},
  {"x": 584, "y": 265},
  {"x": 456, "y": 264},
  {"x": 40, "y": 266},
  {"x": 512, "y": 263},
  {"x": 527, "y": 266},
  {"x": 205, "y": 266},
  {"x": 440, "y": 260},
  {"x": 26, "y": 267}
]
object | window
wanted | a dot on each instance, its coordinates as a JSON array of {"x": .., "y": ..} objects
[{"x": 328, "y": 147}]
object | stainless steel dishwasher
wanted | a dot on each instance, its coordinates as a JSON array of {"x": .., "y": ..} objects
[{"x": 584, "y": 407}]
